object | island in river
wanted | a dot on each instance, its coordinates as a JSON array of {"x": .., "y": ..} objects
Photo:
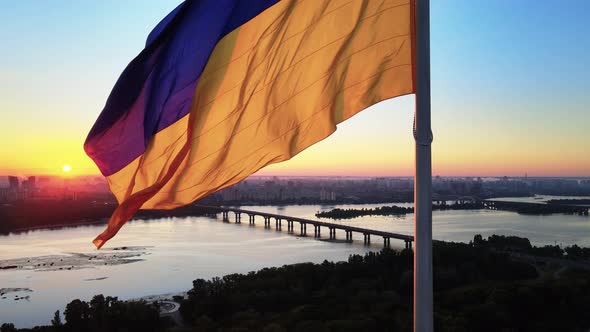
[{"x": 551, "y": 207}]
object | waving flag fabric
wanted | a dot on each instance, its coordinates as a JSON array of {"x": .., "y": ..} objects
[{"x": 224, "y": 88}]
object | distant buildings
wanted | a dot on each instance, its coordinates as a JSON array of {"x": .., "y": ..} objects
[
  {"x": 13, "y": 188},
  {"x": 317, "y": 190},
  {"x": 326, "y": 195},
  {"x": 312, "y": 189},
  {"x": 348, "y": 189}
]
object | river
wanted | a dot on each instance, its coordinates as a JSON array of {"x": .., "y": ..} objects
[{"x": 172, "y": 252}]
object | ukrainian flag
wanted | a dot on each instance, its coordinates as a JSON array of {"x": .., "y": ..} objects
[{"x": 224, "y": 88}]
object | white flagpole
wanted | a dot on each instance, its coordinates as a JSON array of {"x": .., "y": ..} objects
[{"x": 423, "y": 312}]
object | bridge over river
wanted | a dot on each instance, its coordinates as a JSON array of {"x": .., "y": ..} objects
[{"x": 317, "y": 225}]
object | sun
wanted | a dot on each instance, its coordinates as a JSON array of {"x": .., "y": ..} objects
[{"x": 67, "y": 168}]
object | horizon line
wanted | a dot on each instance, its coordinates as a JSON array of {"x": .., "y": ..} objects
[{"x": 328, "y": 176}]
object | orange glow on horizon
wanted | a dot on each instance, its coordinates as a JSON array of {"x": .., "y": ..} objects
[
  {"x": 387, "y": 149},
  {"x": 363, "y": 162}
]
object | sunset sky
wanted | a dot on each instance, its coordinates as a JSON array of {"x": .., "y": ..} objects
[{"x": 510, "y": 90}]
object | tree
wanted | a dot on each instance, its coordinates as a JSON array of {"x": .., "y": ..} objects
[
  {"x": 7, "y": 327},
  {"x": 574, "y": 252},
  {"x": 56, "y": 321},
  {"x": 478, "y": 240},
  {"x": 76, "y": 314},
  {"x": 98, "y": 307}
]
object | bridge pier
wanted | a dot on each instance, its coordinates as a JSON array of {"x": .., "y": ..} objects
[
  {"x": 303, "y": 227},
  {"x": 408, "y": 244},
  {"x": 225, "y": 216},
  {"x": 251, "y": 219},
  {"x": 332, "y": 233},
  {"x": 266, "y": 222},
  {"x": 278, "y": 224},
  {"x": 289, "y": 226},
  {"x": 238, "y": 218},
  {"x": 367, "y": 238},
  {"x": 349, "y": 236},
  {"x": 386, "y": 243},
  {"x": 316, "y": 231}
]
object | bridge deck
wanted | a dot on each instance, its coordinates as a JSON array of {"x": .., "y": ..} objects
[{"x": 407, "y": 238}]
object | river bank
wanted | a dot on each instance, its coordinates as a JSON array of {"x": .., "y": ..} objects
[
  {"x": 477, "y": 287},
  {"x": 25, "y": 216},
  {"x": 182, "y": 249}
]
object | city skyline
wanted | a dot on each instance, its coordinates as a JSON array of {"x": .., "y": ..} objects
[{"x": 503, "y": 103}]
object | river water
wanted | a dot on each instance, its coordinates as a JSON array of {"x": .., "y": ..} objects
[{"x": 175, "y": 251}]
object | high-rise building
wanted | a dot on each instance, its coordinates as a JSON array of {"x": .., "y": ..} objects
[
  {"x": 32, "y": 182},
  {"x": 13, "y": 180},
  {"x": 29, "y": 184}
]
